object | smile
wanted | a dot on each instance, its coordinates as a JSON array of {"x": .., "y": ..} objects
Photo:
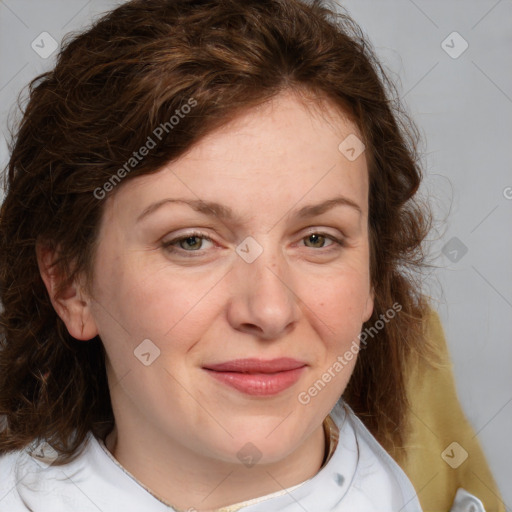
[{"x": 258, "y": 377}]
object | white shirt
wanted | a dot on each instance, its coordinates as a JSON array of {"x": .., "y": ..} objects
[{"x": 359, "y": 477}]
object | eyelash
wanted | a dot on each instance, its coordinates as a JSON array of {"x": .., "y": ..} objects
[{"x": 168, "y": 245}]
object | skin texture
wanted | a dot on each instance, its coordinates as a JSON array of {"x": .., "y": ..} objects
[{"x": 178, "y": 430}]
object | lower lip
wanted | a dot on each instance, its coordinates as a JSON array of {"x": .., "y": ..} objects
[{"x": 259, "y": 384}]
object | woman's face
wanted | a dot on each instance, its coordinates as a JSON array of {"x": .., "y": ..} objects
[{"x": 260, "y": 275}]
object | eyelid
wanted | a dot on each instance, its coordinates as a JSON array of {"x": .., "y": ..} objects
[
  {"x": 339, "y": 237},
  {"x": 323, "y": 231}
]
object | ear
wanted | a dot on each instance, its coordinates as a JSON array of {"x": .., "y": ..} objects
[
  {"x": 72, "y": 305},
  {"x": 368, "y": 308}
]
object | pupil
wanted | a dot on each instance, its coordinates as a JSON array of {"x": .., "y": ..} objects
[
  {"x": 187, "y": 240},
  {"x": 314, "y": 238}
]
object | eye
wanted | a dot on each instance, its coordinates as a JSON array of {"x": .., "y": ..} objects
[
  {"x": 317, "y": 240},
  {"x": 191, "y": 241}
]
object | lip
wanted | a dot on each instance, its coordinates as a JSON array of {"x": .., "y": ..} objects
[
  {"x": 257, "y": 377},
  {"x": 254, "y": 365}
]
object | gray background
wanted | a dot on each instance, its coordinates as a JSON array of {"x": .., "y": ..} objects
[{"x": 463, "y": 107}]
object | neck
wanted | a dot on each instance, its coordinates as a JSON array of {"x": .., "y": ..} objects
[{"x": 183, "y": 479}]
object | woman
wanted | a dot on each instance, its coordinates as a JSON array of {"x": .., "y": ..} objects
[{"x": 209, "y": 255}]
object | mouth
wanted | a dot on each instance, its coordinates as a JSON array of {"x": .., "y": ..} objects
[{"x": 257, "y": 377}]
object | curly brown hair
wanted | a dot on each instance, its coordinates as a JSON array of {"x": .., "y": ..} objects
[{"x": 112, "y": 85}]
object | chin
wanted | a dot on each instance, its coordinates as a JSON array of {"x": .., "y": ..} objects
[{"x": 265, "y": 446}]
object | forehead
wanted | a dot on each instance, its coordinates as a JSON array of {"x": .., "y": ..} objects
[
  {"x": 297, "y": 116},
  {"x": 282, "y": 151}
]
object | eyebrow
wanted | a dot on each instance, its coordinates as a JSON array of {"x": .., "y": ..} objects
[{"x": 212, "y": 208}]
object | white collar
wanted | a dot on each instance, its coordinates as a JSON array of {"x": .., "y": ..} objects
[{"x": 360, "y": 476}]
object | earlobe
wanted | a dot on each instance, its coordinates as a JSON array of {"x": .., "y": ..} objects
[{"x": 72, "y": 306}]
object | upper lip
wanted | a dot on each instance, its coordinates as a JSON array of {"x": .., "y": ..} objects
[{"x": 254, "y": 365}]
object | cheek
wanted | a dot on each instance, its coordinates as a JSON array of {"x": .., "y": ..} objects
[
  {"x": 340, "y": 301},
  {"x": 337, "y": 308},
  {"x": 151, "y": 302}
]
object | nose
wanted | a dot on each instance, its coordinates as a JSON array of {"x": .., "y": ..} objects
[{"x": 264, "y": 302}]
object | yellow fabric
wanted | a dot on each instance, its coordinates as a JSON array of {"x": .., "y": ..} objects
[{"x": 437, "y": 421}]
